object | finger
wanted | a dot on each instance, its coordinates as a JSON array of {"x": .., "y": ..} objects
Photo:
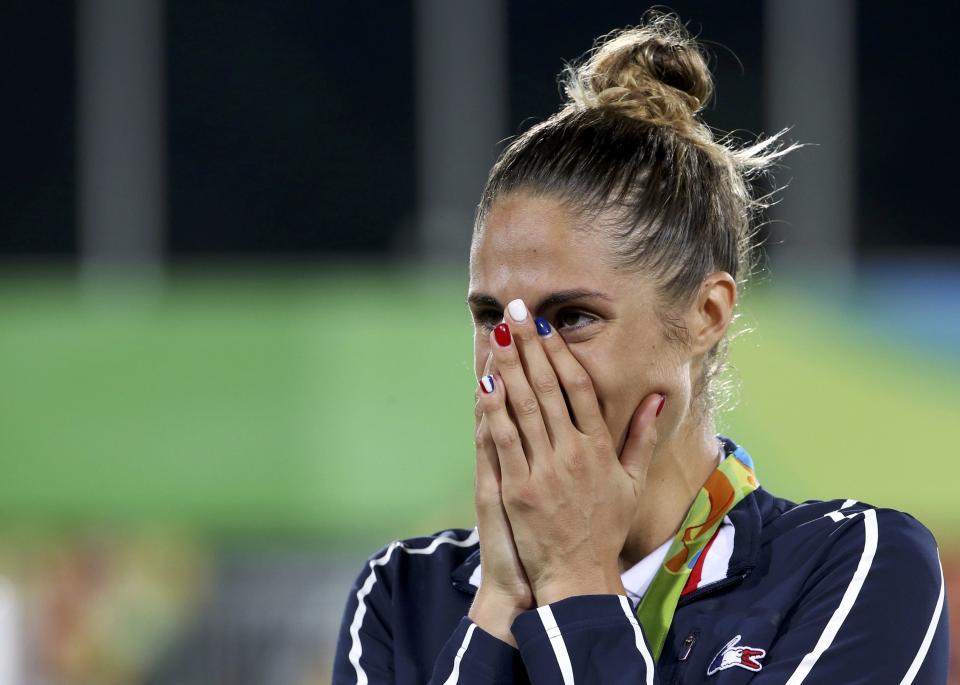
[
  {"x": 488, "y": 368},
  {"x": 519, "y": 395},
  {"x": 575, "y": 380},
  {"x": 539, "y": 372},
  {"x": 487, "y": 484},
  {"x": 642, "y": 437},
  {"x": 513, "y": 462},
  {"x": 488, "y": 461}
]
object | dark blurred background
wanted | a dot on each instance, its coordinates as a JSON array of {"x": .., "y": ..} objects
[{"x": 234, "y": 355}]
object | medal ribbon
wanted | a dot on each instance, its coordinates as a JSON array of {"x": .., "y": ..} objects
[{"x": 733, "y": 480}]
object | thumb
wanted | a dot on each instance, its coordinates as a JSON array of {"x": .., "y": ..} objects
[{"x": 641, "y": 437}]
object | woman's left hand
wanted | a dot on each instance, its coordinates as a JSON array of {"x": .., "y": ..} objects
[{"x": 570, "y": 498}]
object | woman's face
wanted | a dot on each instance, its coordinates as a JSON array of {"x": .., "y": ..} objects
[{"x": 529, "y": 249}]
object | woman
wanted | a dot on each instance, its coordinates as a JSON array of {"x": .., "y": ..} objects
[{"x": 618, "y": 538}]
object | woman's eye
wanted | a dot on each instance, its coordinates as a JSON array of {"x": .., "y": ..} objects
[
  {"x": 569, "y": 319},
  {"x": 571, "y": 315},
  {"x": 488, "y": 319}
]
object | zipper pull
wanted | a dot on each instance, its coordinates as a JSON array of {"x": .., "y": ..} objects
[{"x": 687, "y": 646}]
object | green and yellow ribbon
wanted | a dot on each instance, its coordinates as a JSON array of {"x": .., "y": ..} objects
[{"x": 733, "y": 480}]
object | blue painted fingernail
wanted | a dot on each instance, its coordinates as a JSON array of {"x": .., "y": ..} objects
[
  {"x": 487, "y": 385},
  {"x": 543, "y": 328}
]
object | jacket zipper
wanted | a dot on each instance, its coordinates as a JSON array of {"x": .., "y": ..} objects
[
  {"x": 713, "y": 587},
  {"x": 683, "y": 657},
  {"x": 687, "y": 647}
]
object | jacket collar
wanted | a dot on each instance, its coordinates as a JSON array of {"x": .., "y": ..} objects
[{"x": 747, "y": 517}]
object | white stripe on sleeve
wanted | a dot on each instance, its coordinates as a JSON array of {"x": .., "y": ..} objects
[
  {"x": 846, "y": 603},
  {"x": 556, "y": 641},
  {"x": 455, "y": 674},
  {"x": 638, "y": 635},
  {"x": 356, "y": 648},
  {"x": 928, "y": 638}
]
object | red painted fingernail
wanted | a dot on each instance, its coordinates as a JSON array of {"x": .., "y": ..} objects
[
  {"x": 502, "y": 335},
  {"x": 660, "y": 406}
]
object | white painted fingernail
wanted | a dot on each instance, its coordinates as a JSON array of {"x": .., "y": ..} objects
[
  {"x": 518, "y": 310},
  {"x": 487, "y": 385}
]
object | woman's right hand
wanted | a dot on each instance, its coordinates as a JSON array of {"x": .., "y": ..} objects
[{"x": 504, "y": 589}]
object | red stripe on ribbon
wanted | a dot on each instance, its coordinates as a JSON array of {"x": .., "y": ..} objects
[{"x": 695, "y": 574}]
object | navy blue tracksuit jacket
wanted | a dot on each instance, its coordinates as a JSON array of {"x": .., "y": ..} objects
[{"x": 833, "y": 591}]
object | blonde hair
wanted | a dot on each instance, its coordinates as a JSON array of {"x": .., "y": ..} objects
[{"x": 629, "y": 150}]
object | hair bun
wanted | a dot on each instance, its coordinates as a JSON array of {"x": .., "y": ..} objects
[
  {"x": 654, "y": 72},
  {"x": 678, "y": 66}
]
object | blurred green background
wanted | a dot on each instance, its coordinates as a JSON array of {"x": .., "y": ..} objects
[{"x": 336, "y": 405}]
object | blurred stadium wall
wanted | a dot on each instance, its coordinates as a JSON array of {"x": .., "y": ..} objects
[{"x": 231, "y": 234}]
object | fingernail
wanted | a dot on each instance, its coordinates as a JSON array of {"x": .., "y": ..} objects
[
  {"x": 502, "y": 335},
  {"x": 660, "y": 406},
  {"x": 518, "y": 311},
  {"x": 543, "y": 327},
  {"x": 487, "y": 385}
]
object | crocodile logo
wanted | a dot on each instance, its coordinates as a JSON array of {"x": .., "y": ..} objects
[{"x": 737, "y": 655}]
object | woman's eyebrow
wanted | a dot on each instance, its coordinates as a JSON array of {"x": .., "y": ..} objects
[{"x": 552, "y": 300}]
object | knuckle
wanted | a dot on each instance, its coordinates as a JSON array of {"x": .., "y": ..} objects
[
  {"x": 581, "y": 382},
  {"x": 522, "y": 333},
  {"x": 520, "y": 498},
  {"x": 545, "y": 384},
  {"x": 486, "y": 499},
  {"x": 512, "y": 500},
  {"x": 510, "y": 362},
  {"x": 577, "y": 460},
  {"x": 527, "y": 406},
  {"x": 481, "y": 438},
  {"x": 604, "y": 445},
  {"x": 552, "y": 479},
  {"x": 527, "y": 494},
  {"x": 506, "y": 439},
  {"x": 485, "y": 403}
]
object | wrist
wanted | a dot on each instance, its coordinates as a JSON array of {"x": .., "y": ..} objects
[
  {"x": 572, "y": 585},
  {"x": 495, "y": 614}
]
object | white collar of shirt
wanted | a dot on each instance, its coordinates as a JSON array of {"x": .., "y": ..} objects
[{"x": 636, "y": 579}]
